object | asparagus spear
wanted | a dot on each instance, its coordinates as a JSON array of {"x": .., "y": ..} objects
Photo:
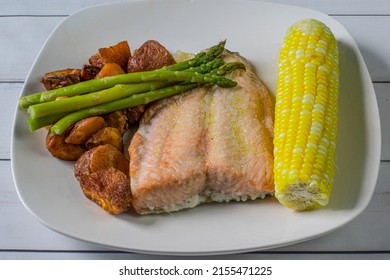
[
  {"x": 106, "y": 82},
  {"x": 38, "y": 123},
  {"x": 200, "y": 58},
  {"x": 227, "y": 68},
  {"x": 87, "y": 100},
  {"x": 94, "y": 98},
  {"x": 119, "y": 91},
  {"x": 131, "y": 101},
  {"x": 207, "y": 67}
]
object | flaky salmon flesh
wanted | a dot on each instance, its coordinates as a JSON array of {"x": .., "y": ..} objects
[{"x": 209, "y": 144}]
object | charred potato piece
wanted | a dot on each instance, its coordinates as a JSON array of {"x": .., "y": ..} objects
[
  {"x": 84, "y": 129},
  {"x": 117, "y": 119},
  {"x": 96, "y": 61},
  {"x": 110, "y": 69},
  {"x": 100, "y": 157},
  {"x": 89, "y": 72},
  {"x": 151, "y": 55},
  {"x": 134, "y": 114},
  {"x": 109, "y": 188},
  {"x": 119, "y": 54},
  {"x": 61, "y": 78},
  {"x": 106, "y": 135},
  {"x": 58, "y": 148}
]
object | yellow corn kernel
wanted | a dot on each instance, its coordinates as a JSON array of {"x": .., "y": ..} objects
[{"x": 306, "y": 116}]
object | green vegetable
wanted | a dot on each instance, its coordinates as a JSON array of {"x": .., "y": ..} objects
[
  {"x": 109, "y": 94},
  {"x": 131, "y": 101},
  {"x": 107, "y": 82},
  {"x": 91, "y": 99}
]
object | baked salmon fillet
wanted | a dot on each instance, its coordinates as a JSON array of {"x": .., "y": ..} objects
[{"x": 209, "y": 144}]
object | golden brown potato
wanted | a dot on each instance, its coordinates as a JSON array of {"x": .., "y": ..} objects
[
  {"x": 110, "y": 69},
  {"x": 58, "y": 148},
  {"x": 61, "y": 78},
  {"x": 119, "y": 54},
  {"x": 117, "y": 119},
  {"x": 100, "y": 157},
  {"x": 84, "y": 129},
  {"x": 106, "y": 135},
  {"x": 151, "y": 55},
  {"x": 109, "y": 188}
]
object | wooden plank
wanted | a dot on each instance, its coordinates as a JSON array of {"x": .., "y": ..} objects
[
  {"x": 9, "y": 93},
  {"x": 368, "y": 232},
  {"x": 56, "y": 7},
  {"x": 382, "y": 91},
  {"x": 373, "y": 41},
  {"x": 21, "y": 51},
  {"x": 20, "y": 230}
]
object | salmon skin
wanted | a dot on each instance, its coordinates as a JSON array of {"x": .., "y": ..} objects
[{"x": 208, "y": 144}]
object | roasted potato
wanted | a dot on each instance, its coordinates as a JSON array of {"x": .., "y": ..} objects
[
  {"x": 117, "y": 119},
  {"x": 89, "y": 72},
  {"x": 96, "y": 61},
  {"x": 134, "y": 114},
  {"x": 84, "y": 129},
  {"x": 119, "y": 54},
  {"x": 151, "y": 55},
  {"x": 106, "y": 135},
  {"x": 58, "y": 148},
  {"x": 100, "y": 157},
  {"x": 61, "y": 78},
  {"x": 110, "y": 69},
  {"x": 109, "y": 188}
]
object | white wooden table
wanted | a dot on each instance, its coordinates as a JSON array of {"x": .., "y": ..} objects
[{"x": 25, "y": 25}]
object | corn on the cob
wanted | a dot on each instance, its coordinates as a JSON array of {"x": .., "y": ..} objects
[{"x": 306, "y": 116}]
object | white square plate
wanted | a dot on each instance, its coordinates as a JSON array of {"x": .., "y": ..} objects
[{"x": 49, "y": 190}]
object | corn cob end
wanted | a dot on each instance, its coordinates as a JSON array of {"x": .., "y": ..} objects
[{"x": 302, "y": 196}]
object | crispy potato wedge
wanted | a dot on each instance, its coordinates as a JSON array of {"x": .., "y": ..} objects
[
  {"x": 110, "y": 69},
  {"x": 109, "y": 188},
  {"x": 61, "y": 78},
  {"x": 100, "y": 157},
  {"x": 84, "y": 129},
  {"x": 151, "y": 55},
  {"x": 58, "y": 148},
  {"x": 119, "y": 54},
  {"x": 106, "y": 135}
]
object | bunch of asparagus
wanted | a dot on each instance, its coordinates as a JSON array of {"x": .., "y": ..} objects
[{"x": 109, "y": 94}]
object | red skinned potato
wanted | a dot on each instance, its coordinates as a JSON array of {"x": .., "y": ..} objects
[{"x": 150, "y": 56}]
